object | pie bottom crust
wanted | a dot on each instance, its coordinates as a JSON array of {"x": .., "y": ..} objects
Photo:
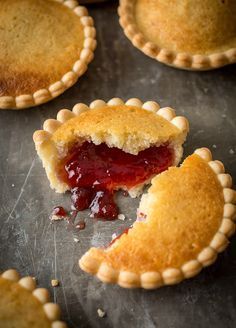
[
  {"x": 170, "y": 276},
  {"x": 51, "y": 310},
  {"x": 169, "y": 57}
]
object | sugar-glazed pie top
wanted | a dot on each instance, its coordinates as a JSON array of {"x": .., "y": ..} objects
[
  {"x": 184, "y": 220},
  {"x": 45, "y": 47},
  {"x": 109, "y": 146},
  {"x": 22, "y": 305},
  {"x": 191, "y": 34}
]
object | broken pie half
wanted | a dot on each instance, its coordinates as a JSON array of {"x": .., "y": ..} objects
[
  {"x": 183, "y": 222},
  {"x": 188, "y": 34},
  {"x": 46, "y": 46},
  {"x": 22, "y": 305},
  {"x": 94, "y": 150}
]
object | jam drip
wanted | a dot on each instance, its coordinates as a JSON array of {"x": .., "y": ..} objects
[{"x": 93, "y": 172}]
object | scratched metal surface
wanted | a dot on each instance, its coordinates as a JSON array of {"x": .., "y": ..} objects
[{"x": 31, "y": 244}]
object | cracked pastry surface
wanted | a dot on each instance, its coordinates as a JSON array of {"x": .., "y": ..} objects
[{"x": 189, "y": 213}]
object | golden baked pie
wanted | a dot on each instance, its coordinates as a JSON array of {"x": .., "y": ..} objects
[
  {"x": 184, "y": 220},
  {"x": 22, "y": 305},
  {"x": 188, "y": 34},
  {"x": 96, "y": 150},
  {"x": 45, "y": 46}
]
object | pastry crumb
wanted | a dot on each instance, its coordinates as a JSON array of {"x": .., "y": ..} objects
[
  {"x": 101, "y": 313},
  {"x": 214, "y": 146},
  {"x": 56, "y": 218},
  {"x": 114, "y": 235},
  {"x": 121, "y": 217},
  {"x": 76, "y": 240},
  {"x": 231, "y": 151},
  {"x": 54, "y": 282}
]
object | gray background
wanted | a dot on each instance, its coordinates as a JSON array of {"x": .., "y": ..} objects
[{"x": 31, "y": 244}]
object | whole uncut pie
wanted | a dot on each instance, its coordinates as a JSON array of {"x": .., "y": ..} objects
[
  {"x": 184, "y": 220},
  {"x": 22, "y": 305},
  {"x": 46, "y": 46},
  {"x": 95, "y": 150},
  {"x": 188, "y": 34}
]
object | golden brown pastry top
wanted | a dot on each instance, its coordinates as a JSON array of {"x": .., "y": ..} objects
[
  {"x": 40, "y": 41},
  {"x": 19, "y": 308},
  {"x": 127, "y": 127},
  {"x": 185, "y": 209},
  {"x": 192, "y": 26}
]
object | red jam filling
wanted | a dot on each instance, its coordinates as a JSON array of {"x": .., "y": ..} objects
[
  {"x": 58, "y": 213},
  {"x": 93, "y": 172}
]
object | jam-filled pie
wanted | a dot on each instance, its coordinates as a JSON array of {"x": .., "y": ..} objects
[
  {"x": 46, "y": 46},
  {"x": 184, "y": 220},
  {"x": 188, "y": 34},
  {"x": 22, "y": 305},
  {"x": 96, "y": 150}
]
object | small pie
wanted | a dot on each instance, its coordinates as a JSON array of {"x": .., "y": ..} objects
[
  {"x": 22, "y": 305},
  {"x": 96, "y": 150},
  {"x": 184, "y": 220},
  {"x": 46, "y": 46},
  {"x": 187, "y": 34}
]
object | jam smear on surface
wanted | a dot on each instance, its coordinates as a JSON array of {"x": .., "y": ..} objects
[
  {"x": 118, "y": 237},
  {"x": 58, "y": 213},
  {"x": 93, "y": 172},
  {"x": 81, "y": 225}
]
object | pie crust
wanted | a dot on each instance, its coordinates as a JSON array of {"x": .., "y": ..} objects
[
  {"x": 175, "y": 34},
  {"x": 200, "y": 190},
  {"x": 51, "y": 44},
  {"x": 100, "y": 122},
  {"x": 27, "y": 305}
]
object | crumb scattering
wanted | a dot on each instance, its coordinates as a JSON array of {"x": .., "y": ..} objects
[
  {"x": 114, "y": 235},
  {"x": 76, "y": 240},
  {"x": 54, "y": 282},
  {"x": 121, "y": 217},
  {"x": 231, "y": 151},
  {"x": 101, "y": 313},
  {"x": 56, "y": 218}
]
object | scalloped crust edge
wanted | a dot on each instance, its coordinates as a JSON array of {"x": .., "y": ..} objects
[
  {"x": 179, "y": 60},
  {"x": 51, "y": 310},
  {"x": 51, "y": 125},
  {"x": 68, "y": 79},
  {"x": 170, "y": 276}
]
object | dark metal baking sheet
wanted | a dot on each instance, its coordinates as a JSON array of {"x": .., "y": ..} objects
[{"x": 31, "y": 244}]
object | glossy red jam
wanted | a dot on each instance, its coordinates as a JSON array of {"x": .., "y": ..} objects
[
  {"x": 58, "y": 213},
  {"x": 93, "y": 172}
]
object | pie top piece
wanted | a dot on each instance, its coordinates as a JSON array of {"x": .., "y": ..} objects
[
  {"x": 45, "y": 47},
  {"x": 24, "y": 306},
  {"x": 188, "y": 215},
  {"x": 187, "y": 34},
  {"x": 131, "y": 127}
]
